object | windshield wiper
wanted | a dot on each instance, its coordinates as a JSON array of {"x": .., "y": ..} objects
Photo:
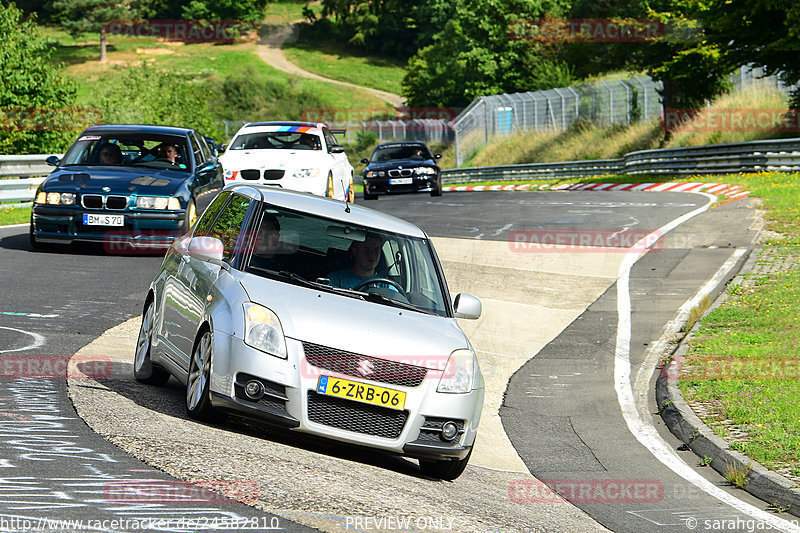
[{"x": 380, "y": 298}]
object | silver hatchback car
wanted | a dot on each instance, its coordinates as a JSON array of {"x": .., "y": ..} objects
[{"x": 319, "y": 316}]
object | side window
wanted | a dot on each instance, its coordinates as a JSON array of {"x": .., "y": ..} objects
[
  {"x": 229, "y": 224},
  {"x": 330, "y": 140},
  {"x": 210, "y": 214},
  {"x": 208, "y": 153},
  {"x": 199, "y": 155}
]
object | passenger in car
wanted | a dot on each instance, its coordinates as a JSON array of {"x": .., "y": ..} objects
[{"x": 366, "y": 255}]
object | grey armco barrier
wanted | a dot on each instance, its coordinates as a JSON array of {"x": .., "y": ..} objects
[
  {"x": 30, "y": 171},
  {"x": 754, "y": 156}
]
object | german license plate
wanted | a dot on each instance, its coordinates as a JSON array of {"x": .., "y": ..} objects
[
  {"x": 361, "y": 392},
  {"x": 103, "y": 220},
  {"x": 401, "y": 181}
]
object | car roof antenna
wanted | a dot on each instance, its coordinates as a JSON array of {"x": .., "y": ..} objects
[{"x": 347, "y": 202}]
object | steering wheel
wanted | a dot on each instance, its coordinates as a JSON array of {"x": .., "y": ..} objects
[{"x": 376, "y": 281}]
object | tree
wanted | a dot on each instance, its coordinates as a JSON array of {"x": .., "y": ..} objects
[
  {"x": 241, "y": 10},
  {"x": 764, "y": 33},
  {"x": 37, "y": 103},
  {"x": 90, "y": 16},
  {"x": 476, "y": 53}
]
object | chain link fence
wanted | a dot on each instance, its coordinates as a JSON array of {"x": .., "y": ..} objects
[{"x": 602, "y": 103}]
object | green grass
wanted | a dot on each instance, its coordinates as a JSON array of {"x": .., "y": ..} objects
[
  {"x": 14, "y": 215},
  {"x": 204, "y": 60},
  {"x": 346, "y": 64}
]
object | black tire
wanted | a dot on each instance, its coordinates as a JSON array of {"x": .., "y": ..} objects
[
  {"x": 437, "y": 188},
  {"x": 198, "y": 402},
  {"x": 446, "y": 470},
  {"x": 35, "y": 246},
  {"x": 143, "y": 368},
  {"x": 368, "y": 196}
]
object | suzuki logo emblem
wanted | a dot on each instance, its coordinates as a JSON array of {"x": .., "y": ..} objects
[{"x": 365, "y": 367}]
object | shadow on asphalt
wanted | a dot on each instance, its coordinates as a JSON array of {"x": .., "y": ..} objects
[{"x": 169, "y": 400}]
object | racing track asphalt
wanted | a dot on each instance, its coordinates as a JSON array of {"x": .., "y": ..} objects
[{"x": 521, "y": 317}]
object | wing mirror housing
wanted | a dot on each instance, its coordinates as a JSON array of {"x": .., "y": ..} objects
[
  {"x": 467, "y": 306},
  {"x": 208, "y": 249}
]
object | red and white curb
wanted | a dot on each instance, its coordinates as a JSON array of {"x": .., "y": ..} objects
[{"x": 720, "y": 189}]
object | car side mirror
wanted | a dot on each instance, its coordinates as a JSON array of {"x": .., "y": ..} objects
[
  {"x": 437, "y": 156},
  {"x": 221, "y": 149},
  {"x": 337, "y": 149},
  {"x": 467, "y": 306},
  {"x": 206, "y": 167},
  {"x": 365, "y": 161},
  {"x": 206, "y": 249},
  {"x": 53, "y": 161}
]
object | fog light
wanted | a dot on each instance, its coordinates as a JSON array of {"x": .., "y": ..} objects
[
  {"x": 449, "y": 431},
  {"x": 254, "y": 389}
]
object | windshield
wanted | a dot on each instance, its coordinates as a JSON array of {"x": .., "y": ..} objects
[
  {"x": 413, "y": 152},
  {"x": 129, "y": 150},
  {"x": 383, "y": 267},
  {"x": 276, "y": 140}
]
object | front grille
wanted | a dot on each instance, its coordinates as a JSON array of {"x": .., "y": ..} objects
[
  {"x": 402, "y": 173},
  {"x": 273, "y": 174},
  {"x": 348, "y": 363},
  {"x": 250, "y": 174},
  {"x": 117, "y": 202},
  {"x": 92, "y": 201},
  {"x": 98, "y": 201},
  {"x": 356, "y": 417}
]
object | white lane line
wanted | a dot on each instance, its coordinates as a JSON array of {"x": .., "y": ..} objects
[
  {"x": 641, "y": 427},
  {"x": 38, "y": 340}
]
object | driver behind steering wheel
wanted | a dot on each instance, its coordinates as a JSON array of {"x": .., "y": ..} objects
[
  {"x": 168, "y": 152},
  {"x": 366, "y": 255}
]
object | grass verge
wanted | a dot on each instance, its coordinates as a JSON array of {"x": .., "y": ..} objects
[{"x": 14, "y": 215}]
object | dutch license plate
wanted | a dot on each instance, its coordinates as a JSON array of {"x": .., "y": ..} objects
[
  {"x": 401, "y": 181},
  {"x": 103, "y": 220},
  {"x": 361, "y": 392}
]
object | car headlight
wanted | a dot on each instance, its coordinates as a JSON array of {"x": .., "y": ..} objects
[
  {"x": 306, "y": 173},
  {"x": 375, "y": 174},
  {"x": 231, "y": 174},
  {"x": 158, "y": 202},
  {"x": 55, "y": 198},
  {"x": 424, "y": 171},
  {"x": 460, "y": 373},
  {"x": 263, "y": 331}
]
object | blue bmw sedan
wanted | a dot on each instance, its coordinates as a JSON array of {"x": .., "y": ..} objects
[{"x": 126, "y": 186}]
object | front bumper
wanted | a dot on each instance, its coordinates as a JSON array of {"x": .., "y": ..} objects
[
  {"x": 385, "y": 185},
  {"x": 141, "y": 229},
  {"x": 291, "y": 401}
]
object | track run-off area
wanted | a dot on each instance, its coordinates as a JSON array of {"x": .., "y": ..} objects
[{"x": 578, "y": 291}]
